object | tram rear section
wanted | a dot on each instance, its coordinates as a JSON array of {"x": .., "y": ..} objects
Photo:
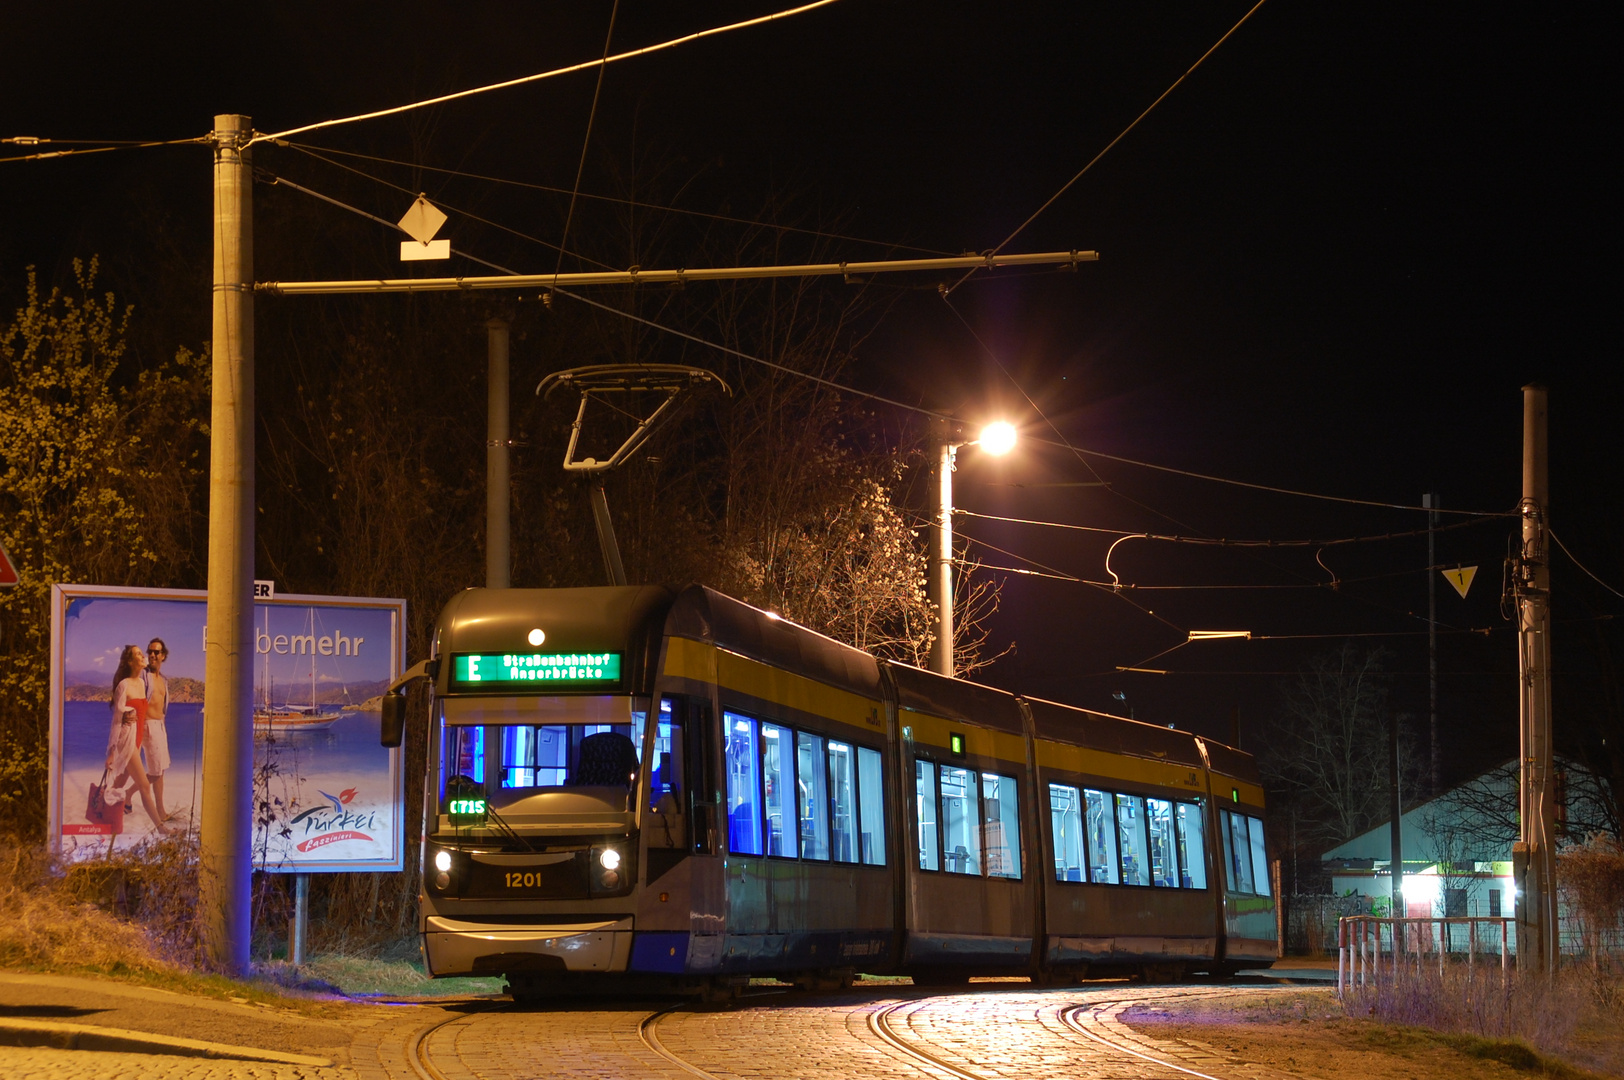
[{"x": 630, "y": 788}]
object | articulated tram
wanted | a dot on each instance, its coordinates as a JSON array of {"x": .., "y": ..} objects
[{"x": 634, "y": 785}]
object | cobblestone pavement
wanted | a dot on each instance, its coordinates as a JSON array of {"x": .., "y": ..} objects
[
  {"x": 998, "y": 1035},
  {"x": 40, "y": 1063}
]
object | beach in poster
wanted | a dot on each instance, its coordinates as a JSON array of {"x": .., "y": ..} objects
[{"x": 320, "y": 666}]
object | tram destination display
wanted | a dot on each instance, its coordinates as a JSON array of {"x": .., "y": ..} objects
[{"x": 557, "y": 670}]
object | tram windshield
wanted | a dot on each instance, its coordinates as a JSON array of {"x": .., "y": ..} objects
[{"x": 509, "y": 746}]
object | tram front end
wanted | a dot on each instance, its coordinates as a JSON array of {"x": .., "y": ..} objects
[{"x": 534, "y": 765}]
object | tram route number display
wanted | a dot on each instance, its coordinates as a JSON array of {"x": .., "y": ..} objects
[{"x": 528, "y": 669}]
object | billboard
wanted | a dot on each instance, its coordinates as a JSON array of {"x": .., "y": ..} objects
[{"x": 328, "y": 797}]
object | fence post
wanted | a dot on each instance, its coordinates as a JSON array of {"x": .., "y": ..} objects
[{"x": 1341, "y": 953}]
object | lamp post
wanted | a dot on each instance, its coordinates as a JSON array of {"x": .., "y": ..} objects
[{"x": 996, "y": 439}]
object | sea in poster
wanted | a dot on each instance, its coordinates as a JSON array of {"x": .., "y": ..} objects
[{"x": 330, "y": 794}]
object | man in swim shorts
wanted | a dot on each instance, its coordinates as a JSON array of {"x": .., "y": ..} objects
[{"x": 155, "y": 746}]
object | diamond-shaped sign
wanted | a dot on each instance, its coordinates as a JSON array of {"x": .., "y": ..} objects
[
  {"x": 1461, "y": 577},
  {"x": 422, "y": 221}
]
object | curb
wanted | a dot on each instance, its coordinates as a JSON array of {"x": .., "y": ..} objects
[{"x": 121, "y": 1040}]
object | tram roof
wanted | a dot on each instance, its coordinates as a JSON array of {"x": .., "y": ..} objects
[
  {"x": 703, "y": 614},
  {"x": 956, "y": 699},
  {"x": 1101, "y": 731}
]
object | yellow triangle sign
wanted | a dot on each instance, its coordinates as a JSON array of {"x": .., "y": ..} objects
[{"x": 1461, "y": 577}]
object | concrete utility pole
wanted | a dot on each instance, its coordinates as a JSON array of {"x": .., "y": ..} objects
[
  {"x": 941, "y": 559},
  {"x": 224, "y": 850},
  {"x": 1533, "y": 856},
  {"x": 498, "y": 541},
  {"x": 1430, "y": 501}
]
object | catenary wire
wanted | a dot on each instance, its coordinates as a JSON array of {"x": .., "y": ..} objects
[
  {"x": 523, "y": 80},
  {"x": 1581, "y": 565},
  {"x": 99, "y": 149},
  {"x": 830, "y": 383},
  {"x": 1217, "y": 542},
  {"x": 1104, "y": 587},
  {"x": 1068, "y": 184},
  {"x": 470, "y": 215},
  {"x": 1079, "y": 451},
  {"x": 272, "y": 179},
  {"x": 586, "y": 140},
  {"x": 637, "y": 204},
  {"x": 1276, "y": 490}
]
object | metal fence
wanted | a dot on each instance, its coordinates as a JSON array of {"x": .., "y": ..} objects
[
  {"x": 1371, "y": 948},
  {"x": 1312, "y": 919}
]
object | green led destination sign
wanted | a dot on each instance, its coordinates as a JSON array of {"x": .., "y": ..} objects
[
  {"x": 466, "y": 811},
  {"x": 535, "y": 669}
]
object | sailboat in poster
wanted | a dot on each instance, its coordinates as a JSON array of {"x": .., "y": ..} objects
[{"x": 290, "y": 718}]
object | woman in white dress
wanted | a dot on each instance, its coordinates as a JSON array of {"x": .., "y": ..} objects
[{"x": 129, "y": 727}]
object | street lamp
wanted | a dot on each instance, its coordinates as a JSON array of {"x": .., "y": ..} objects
[{"x": 996, "y": 439}]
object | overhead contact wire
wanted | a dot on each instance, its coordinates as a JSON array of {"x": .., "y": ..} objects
[
  {"x": 539, "y": 76},
  {"x": 635, "y": 204},
  {"x": 586, "y": 142},
  {"x": 1080, "y": 173}
]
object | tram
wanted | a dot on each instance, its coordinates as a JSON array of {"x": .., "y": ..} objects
[{"x": 635, "y": 785}]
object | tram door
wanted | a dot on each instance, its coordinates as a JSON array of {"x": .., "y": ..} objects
[{"x": 679, "y": 822}]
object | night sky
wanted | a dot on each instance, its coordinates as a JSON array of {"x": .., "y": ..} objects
[{"x": 1329, "y": 261}]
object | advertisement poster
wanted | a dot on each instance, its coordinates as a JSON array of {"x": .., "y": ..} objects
[{"x": 332, "y": 797}]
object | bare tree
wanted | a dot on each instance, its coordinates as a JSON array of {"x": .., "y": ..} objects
[{"x": 1328, "y": 754}]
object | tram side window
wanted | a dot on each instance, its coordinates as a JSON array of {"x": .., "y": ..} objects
[
  {"x": 1102, "y": 838},
  {"x": 1002, "y": 826},
  {"x": 925, "y": 785},
  {"x": 743, "y": 790},
  {"x": 1066, "y": 822},
  {"x": 1192, "y": 846},
  {"x": 842, "y": 802},
  {"x": 1237, "y": 853},
  {"x": 778, "y": 780},
  {"x": 961, "y": 822},
  {"x": 871, "y": 805},
  {"x": 667, "y": 776},
  {"x": 1164, "y": 867},
  {"x": 810, "y": 766},
  {"x": 1260, "y": 857},
  {"x": 1131, "y": 835}
]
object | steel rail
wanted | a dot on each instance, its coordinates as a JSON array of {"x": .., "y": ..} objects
[
  {"x": 417, "y": 1051},
  {"x": 645, "y": 1032},
  {"x": 879, "y": 1022},
  {"x": 639, "y": 276},
  {"x": 1069, "y": 1015}
]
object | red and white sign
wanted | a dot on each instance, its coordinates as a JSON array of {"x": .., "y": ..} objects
[{"x": 8, "y": 572}]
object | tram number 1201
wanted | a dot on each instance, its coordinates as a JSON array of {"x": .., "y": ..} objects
[{"x": 522, "y": 881}]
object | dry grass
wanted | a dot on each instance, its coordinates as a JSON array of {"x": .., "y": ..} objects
[
  {"x": 134, "y": 917},
  {"x": 1576, "y": 1015},
  {"x": 47, "y": 922}
]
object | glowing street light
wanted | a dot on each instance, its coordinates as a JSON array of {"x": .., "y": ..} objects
[{"x": 996, "y": 439}]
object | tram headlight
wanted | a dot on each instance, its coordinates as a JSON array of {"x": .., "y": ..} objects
[
  {"x": 442, "y": 861},
  {"x": 612, "y": 870}
]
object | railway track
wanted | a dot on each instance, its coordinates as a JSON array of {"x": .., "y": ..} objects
[
  {"x": 879, "y": 1022},
  {"x": 1091, "y": 1022},
  {"x": 1096, "y": 1022}
]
